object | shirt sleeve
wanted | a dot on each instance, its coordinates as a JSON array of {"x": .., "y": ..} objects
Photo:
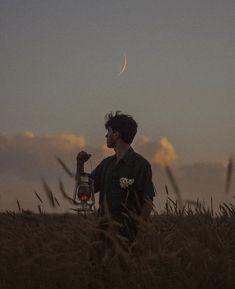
[
  {"x": 145, "y": 183},
  {"x": 96, "y": 175}
]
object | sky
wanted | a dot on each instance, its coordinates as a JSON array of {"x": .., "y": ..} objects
[{"x": 59, "y": 72}]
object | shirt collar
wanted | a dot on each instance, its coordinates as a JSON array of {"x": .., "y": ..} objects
[{"x": 127, "y": 157}]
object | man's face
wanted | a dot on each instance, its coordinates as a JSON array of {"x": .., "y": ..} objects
[{"x": 111, "y": 138}]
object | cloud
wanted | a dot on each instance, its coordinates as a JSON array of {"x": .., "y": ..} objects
[
  {"x": 65, "y": 142},
  {"x": 25, "y": 158},
  {"x": 142, "y": 140},
  {"x": 196, "y": 181},
  {"x": 206, "y": 177},
  {"x": 165, "y": 153},
  {"x": 26, "y": 154},
  {"x": 26, "y": 134},
  {"x": 158, "y": 152}
]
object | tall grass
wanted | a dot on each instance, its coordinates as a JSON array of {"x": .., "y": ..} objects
[
  {"x": 180, "y": 248},
  {"x": 187, "y": 245}
]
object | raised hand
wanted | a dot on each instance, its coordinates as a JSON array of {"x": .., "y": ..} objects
[{"x": 83, "y": 157}]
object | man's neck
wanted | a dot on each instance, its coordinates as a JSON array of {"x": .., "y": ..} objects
[{"x": 121, "y": 150}]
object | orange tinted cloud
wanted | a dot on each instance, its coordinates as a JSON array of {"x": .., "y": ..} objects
[
  {"x": 66, "y": 141},
  {"x": 25, "y": 157},
  {"x": 26, "y": 134},
  {"x": 165, "y": 153},
  {"x": 143, "y": 140},
  {"x": 26, "y": 154}
]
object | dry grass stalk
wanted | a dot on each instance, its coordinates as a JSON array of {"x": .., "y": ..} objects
[
  {"x": 57, "y": 202},
  {"x": 166, "y": 189},
  {"x": 18, "y": 204},
  {"x": 37, "y": 195},
  {"x": 65, "y": 195},
  {"x": 212, "y": 207},
  {"x": 49, "y": 193},
  {"x": 39, "y": 209},
  {"x": 64, "y": 166},
  {"x": 172, "y": 251},
  {"x": 229, "y": 175},
  {"x": 174, "y": 185}
]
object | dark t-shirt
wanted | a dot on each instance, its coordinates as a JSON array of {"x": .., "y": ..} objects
[{"x": 107, "y": 180}]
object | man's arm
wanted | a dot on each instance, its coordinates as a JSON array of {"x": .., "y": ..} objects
[
  {"x": 148, "y": 190},
  {"x": 146, "y": 210},
  {"x": 82, "y": 157},
  {"x": 96, "y": 174}
]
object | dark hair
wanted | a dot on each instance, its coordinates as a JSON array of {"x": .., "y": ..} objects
[{"x": 123, "y": 123}]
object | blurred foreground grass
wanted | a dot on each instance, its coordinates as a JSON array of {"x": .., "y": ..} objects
[{"x": 177, "y": 249}]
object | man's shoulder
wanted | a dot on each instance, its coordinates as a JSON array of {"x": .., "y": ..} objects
[
  {"x": 107, "y": 160},
  {"x": 100, "y": 167},
  {"x": 141, "y": 159}
]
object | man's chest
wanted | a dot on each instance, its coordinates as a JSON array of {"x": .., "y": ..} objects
[{"x": 115, "y": 173}]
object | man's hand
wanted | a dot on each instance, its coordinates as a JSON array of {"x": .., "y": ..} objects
[
  {"x": 146, "y": 210},
  {"x": 83, "y": 157}
]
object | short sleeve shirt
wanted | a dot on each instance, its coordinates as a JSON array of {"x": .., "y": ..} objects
[{"x": 107, "y": 176}]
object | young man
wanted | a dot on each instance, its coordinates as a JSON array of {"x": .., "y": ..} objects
[{"x": 124, "y": 180}]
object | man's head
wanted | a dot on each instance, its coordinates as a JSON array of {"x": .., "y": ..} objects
[{"x": 120, "y": 126}]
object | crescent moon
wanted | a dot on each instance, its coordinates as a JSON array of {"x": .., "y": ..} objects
[{"x": 124, "y": 66}]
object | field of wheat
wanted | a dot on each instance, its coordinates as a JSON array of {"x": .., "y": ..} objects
[{"x": 179, "y": 248}]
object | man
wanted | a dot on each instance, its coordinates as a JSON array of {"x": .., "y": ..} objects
[{"x": 124, "y": 180}]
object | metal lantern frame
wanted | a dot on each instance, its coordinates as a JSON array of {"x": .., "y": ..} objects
[{"x": 84, "y": 195}]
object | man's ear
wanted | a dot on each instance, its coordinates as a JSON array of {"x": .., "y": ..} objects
[{"x": 116, "y": 134}]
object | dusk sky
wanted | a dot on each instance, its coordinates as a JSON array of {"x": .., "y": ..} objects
[{"x": 59, "y": 69}]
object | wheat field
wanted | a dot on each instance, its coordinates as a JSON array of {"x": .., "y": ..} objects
[{"x": 179, "y": 248}]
